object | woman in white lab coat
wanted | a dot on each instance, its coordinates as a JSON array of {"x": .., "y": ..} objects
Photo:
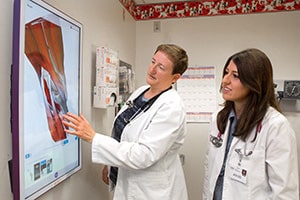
[
  {"x": 252, "y": 150},
  {"x": 148, "y": 135}
]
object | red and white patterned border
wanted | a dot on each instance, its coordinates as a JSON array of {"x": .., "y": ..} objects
[{"x": 207, "y": 8}]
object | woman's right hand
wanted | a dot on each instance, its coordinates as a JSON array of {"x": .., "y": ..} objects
[
  {"x": 105, "y": 177},
  {"x": 79, "y": 126}
]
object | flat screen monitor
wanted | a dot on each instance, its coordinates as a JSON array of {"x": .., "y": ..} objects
[{"x": 46, "y": 83}]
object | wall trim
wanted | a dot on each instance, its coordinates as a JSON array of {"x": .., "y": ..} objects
[{"x": 207, "y": 8}]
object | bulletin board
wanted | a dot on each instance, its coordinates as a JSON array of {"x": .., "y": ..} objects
[{"x": 197, "y": 87}]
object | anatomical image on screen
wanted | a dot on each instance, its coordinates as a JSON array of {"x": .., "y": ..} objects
[
  {"x": 51, "y": 89},
  {"x": 44, "y": 49}
]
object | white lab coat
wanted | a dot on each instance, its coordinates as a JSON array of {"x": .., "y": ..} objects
[
  {"x": 272, "y": 168},
  {"x": 147, "y": 156}
]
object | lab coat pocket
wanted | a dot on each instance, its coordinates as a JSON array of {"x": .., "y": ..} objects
[
  {"x": 154, "y": 181},
  {"x": 247, "y": 166}
]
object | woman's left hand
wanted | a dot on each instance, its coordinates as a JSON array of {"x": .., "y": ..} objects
[{"x": 80, "y": 126}]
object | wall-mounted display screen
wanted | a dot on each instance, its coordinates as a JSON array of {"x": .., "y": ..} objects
[{"x": 46, "y": 83}]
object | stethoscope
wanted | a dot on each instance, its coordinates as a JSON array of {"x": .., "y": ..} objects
[
  {"x": 144, "y": 107},
  {"x": 141, "y": 109},
  {"x": 217, "y": 141},
  {"x": 243, "y": 154}
]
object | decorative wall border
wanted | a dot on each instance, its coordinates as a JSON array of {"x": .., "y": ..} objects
[{"x": 207, "y": 8}]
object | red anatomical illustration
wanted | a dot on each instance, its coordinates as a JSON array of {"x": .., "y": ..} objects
[{"x": 44, "y": 49}]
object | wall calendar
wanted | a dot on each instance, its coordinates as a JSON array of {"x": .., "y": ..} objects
[{"x": 197, "y": 87}]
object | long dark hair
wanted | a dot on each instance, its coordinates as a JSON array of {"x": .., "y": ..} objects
[{"x": 256, "y": 73}]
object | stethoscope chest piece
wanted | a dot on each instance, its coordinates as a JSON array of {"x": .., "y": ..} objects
[{"x": 216, "y": 141}]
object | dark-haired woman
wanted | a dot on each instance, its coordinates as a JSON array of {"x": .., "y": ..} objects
[{"x": 252, "y": 151}]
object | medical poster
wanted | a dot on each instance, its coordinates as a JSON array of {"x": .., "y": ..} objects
[
  {"x": 107, "y": 74},
  {"x": 197, "y": 87}
]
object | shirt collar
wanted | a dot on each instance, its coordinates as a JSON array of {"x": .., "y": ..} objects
[{"x": 232, "y": 115}]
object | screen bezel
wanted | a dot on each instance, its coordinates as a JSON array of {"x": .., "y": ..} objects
[{"x": 17, "y": 104}]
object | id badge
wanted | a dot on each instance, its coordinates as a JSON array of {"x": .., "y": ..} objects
[{"x": 238, "y": 173}]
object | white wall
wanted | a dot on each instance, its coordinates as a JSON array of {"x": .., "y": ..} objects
[
  {"x": 210, "y": 41},
  {"x": 103, "y": 24}
]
